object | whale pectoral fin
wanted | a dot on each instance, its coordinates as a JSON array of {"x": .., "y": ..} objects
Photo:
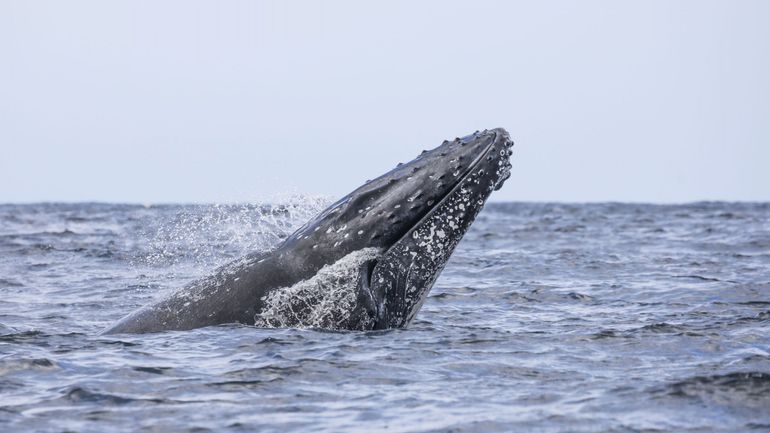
[{"x": 365, "y": 314}]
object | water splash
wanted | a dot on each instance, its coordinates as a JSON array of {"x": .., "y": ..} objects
[
  {"x": 326, "y": 300},
  {"x": 210, "y": 235}
]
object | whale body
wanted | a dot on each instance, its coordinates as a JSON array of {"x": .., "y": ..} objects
[{"x": 366, "y": 262}]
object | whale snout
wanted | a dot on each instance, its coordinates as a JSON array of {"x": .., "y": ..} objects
[
  {"x": 492, "y": 150},
  {"x": 505, "y": 152}
]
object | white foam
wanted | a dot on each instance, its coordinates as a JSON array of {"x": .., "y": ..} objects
[{"x": 325, "y": 300}]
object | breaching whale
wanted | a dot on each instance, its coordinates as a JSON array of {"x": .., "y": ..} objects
[{"x": 366, "y": 262}]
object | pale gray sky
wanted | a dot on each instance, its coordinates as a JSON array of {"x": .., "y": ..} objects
[{"x": 193, "y": 101}]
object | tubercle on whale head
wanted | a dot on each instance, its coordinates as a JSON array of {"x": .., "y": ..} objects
[{"x": 381, "y": 211}]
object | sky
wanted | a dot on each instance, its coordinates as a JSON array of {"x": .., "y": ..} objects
[{"x": 240, "y": 101}]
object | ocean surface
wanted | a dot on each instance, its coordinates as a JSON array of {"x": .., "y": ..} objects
[{"x": 548, "y": 318}]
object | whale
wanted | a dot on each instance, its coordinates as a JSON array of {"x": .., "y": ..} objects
[{"x": 367, "y": 262}]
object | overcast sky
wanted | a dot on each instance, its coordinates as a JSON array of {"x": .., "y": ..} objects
[{"x": 221, "y": 101}]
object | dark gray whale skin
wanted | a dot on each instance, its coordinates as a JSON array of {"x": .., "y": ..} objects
[{"x": 414, "y": 215}]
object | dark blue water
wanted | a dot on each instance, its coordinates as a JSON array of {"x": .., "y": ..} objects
[{"x": 548, "y": 318}]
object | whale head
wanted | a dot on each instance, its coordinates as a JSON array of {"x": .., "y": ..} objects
[{"x": 414, "y": 215}]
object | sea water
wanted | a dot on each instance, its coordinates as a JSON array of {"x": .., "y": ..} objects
[{"x": 548, "y": 318}]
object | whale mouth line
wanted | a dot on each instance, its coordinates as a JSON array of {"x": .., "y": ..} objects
[{"x": 461, "y": 179}]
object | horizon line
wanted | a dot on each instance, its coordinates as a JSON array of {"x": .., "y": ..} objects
[{"x": 331, "y": 200}]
